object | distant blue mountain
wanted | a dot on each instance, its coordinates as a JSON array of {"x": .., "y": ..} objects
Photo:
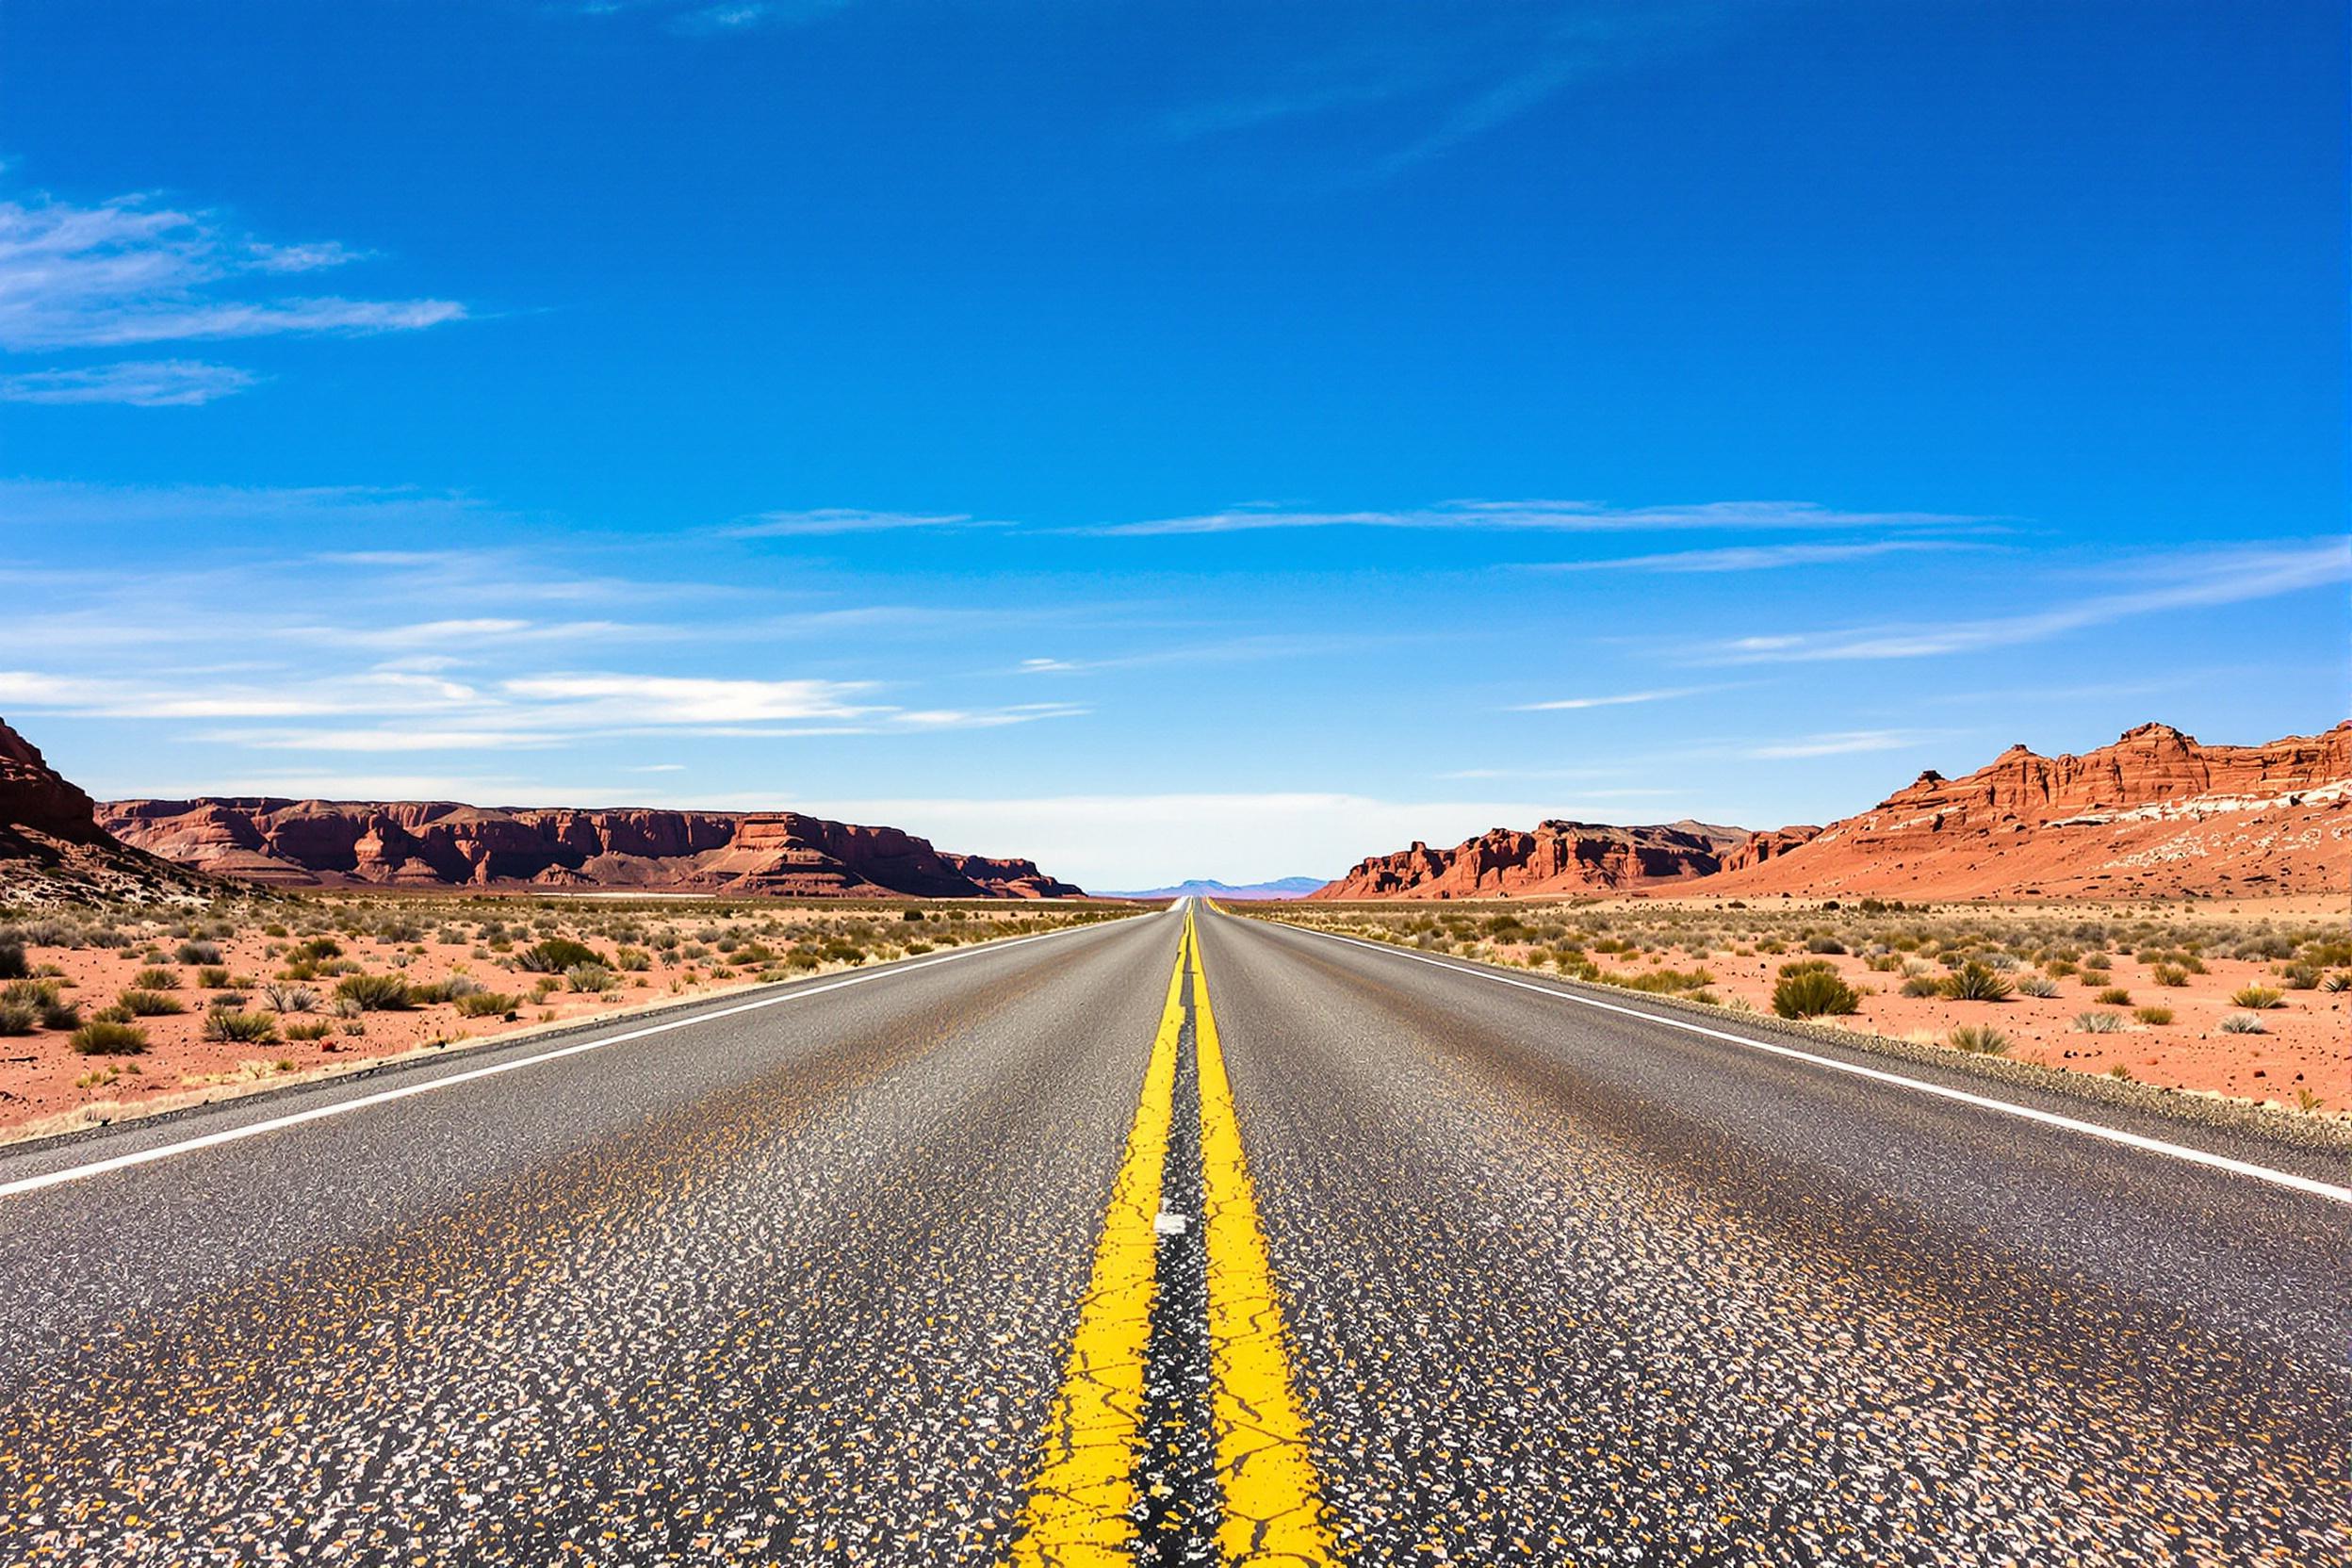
[{"x": 1285, "y": 887}]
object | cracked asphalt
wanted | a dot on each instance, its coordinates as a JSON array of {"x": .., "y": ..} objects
[
  {"x": 1564, "y": 1287},
  {"x": 798, "y": 1285}
]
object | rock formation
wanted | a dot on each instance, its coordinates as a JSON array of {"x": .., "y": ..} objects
[
  {"x": 2154, "y": 815},
  {"x": 1557, "y": 858},
  {"x": 52, "y": 849},
  {"x": 443, "y": 844}
]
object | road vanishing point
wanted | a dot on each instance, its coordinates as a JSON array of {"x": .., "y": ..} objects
[{"x": 1186, "y": 1238}]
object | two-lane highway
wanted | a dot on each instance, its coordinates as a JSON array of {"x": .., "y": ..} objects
[{"x": 1186, "y": 1238}]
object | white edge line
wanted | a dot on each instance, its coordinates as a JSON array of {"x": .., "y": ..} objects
[
  {"x": 382, "y": 1097},
  {"x": 2047, "y": 1118}
]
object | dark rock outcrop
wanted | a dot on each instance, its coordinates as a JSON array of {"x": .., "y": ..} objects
[{"x": 52, "y": 849}]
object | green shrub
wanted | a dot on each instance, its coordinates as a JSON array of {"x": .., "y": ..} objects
[
  {"x": 1665, "y": 981},
  {"x": 2116, "y": 996},
  {"x": 1975, "y": 981},
  {"x": 2243, "y": 1023},
  {"x": 108, "y": 1039},
  {"x": 1813, "y": 992},
  {"x": 198, "y": 953},
  {"x": 18, "y": 1017},
  {"x": 2158, "y": 1016},
  {"x": 374, "y": 993},
  {"x": 1922, "y": 985},
  {"x": 313, "y": 1029},
  {"x": 2036, "y": 985},
  {"x": 588, "y": 977},
  {"x": 141, "y": 1002},
  {"x": 2098, "y": 1023},
  {"x": 1979, "y": 1039},
  {"x": 637, "y": 960},
  {"x": 13, "y": 965},
  {"x": 556, "y": 955},
  {"x": 156, "y": 979},
  {"x": 2169, "y": 974},
  {"x": 487, "y": 1004},
  {"x": 2259, "y": 998},
  {"x": 2341, "y": 980},
  {"x": 226, "y": 1025}
]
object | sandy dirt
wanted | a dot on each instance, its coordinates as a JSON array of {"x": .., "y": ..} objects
[
  {"x": 2301, "y": 1060},
  {"x": 655, "y": 951}
]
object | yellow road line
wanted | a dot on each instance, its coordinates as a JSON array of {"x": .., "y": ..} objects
[
  {"x": 1078, "y": 1501},
  {"x": 1273, "y": 1507}
]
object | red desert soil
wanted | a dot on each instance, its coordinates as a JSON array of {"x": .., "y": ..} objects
[
  {"x": 2180, "y": 969},
  {"x": 651, "y": 951}
]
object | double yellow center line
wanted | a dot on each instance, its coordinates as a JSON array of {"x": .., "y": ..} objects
[{"x": 1082, "y": 1498}]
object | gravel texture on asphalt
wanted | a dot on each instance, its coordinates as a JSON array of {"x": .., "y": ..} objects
[
  {"x": 799, "y": 1285},
  {"x": 1568, "y": 1289},
  {"x": 789, "y": 1288}
]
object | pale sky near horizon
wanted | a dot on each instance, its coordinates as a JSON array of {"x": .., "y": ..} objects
[{"x": 1166, "y": 440}]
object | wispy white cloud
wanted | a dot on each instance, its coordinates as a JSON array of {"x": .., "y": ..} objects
[
  {"x": 715, "y": 18},
  {"x": 1225, "y": 650},
  {"x": 603, "y": 698},
  {"x": 1450, "y": 75},
  {"x": 129, "y": 271},
  {"x": 1843, "y": 742},
  {"x": 140, "y": 384},
  {"x": 369, "y": 693},
  {"x": 1761, "y": 558},
  {"x": 384, "y": 740},
  {"x": 848, "y": 519},
  {"x": 1621, "y": 699},
  {"x": 329, "y": 511},
  {"x": 1571, "y": 517},
  {"x": 2194, "y": 580},
  {"x": 470, "y": 633}
]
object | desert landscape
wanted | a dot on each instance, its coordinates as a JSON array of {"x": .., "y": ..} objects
[
  {"x": 2240, "y": 999},
  {"x": 121, "y": 1009},
  {"x": 2156, "y": 910},
  {"x": 158, "y": 954}
]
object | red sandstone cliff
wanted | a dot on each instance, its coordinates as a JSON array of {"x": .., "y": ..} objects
[
  {"x": 52, "y": 849},
  {"x": 442, "y": 844},
  {"x": 2154, "y": 815},
  {"x": 1557, "y": 858}
]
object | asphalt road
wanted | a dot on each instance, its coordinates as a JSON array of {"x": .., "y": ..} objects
[{"x": 1172, "y": 1242}]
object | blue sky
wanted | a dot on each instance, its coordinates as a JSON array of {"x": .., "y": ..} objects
[{"x": 1166, "y": 439}]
